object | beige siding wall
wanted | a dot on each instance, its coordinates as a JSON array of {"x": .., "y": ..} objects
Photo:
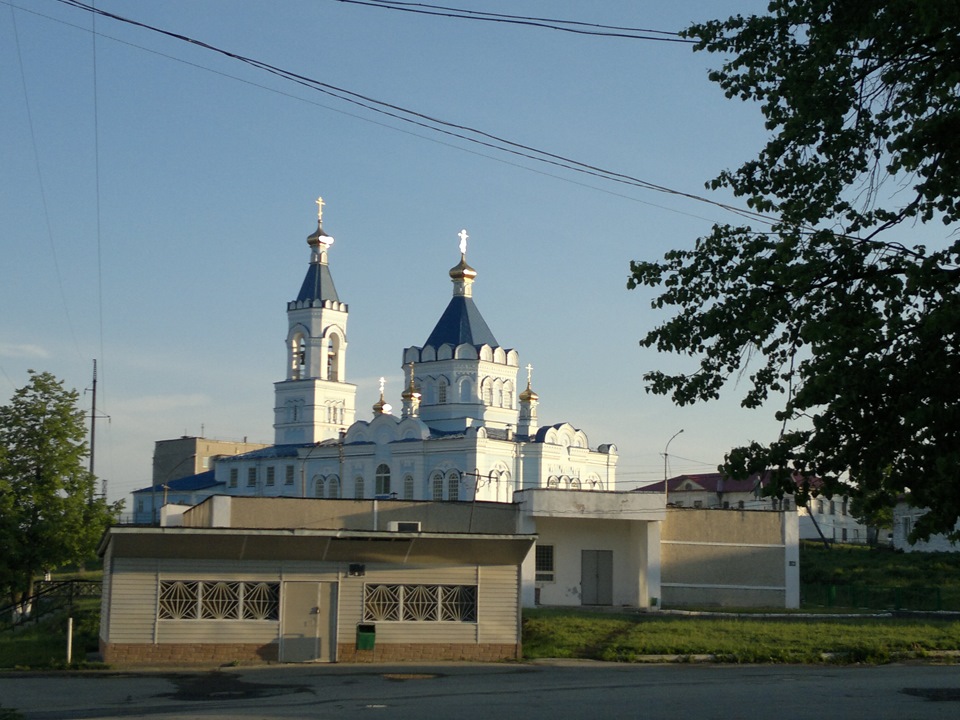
[
  {"x": 132, "y": 617},
  {"x": 105, "y": 596},
  {"x": 735, "y": 558}
]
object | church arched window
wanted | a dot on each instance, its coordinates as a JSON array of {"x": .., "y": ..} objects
[
  {"x": 442, "y": 391},
  {"x": 466, "y": 390},
  {"x": 318, "y": 486},
  {"x": 383, "y": 479},
  {"x": 487, "y": 392},
  {"x": 437, "y": 483},
  {"x": 358, "y": 489},
  {"x": 453, "y": 485},
  {"x": 298, "y": 356},
  {"x": 408, "y": 487},
  {"x": 333, "y": 486},
  {"x": 333, "y": 358}
]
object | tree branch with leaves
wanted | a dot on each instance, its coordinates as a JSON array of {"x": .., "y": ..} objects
[{"x": 846, "y": 309}]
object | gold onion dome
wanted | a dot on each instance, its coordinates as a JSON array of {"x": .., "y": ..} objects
[
  {"x": 528, "y": 394},
  {"x": 462, "y": 271}
]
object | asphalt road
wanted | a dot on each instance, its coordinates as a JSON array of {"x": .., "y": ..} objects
[{"x": 498, "y": 692}]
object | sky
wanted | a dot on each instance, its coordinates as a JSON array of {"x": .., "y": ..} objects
[{"x": 156, "y": 197}]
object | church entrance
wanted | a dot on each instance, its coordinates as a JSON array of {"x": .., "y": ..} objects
[{"x": 596, "y": 577}]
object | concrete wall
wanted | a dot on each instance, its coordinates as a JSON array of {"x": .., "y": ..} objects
[
  {"x": 249, "y": 512},
  {"x": 731, "y": 558}
]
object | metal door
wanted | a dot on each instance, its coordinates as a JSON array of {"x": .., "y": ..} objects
[
  {"x": 596, "y": 577},
  {"x": 309, "y": 621}
]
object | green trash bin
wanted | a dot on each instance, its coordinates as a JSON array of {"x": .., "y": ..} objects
[{"x": 366, "y": 636}]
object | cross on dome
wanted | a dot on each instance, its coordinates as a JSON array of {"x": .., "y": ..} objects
[
  {"x": 463, "y": 241},
  {"x": 529, "y": 373},
  {"x": 320, "y": 204}
]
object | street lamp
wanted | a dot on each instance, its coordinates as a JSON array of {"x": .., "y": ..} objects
[{"x": 666, "y": 490}]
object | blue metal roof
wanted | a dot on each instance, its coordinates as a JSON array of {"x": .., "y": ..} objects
[
  {"x": 461, "y": 323},
  {"x": 318, "y": 284},
  {"x": 187, "y": 484}
]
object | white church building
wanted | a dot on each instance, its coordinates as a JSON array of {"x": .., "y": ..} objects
[
  {"x": 463, "y": 431},
  {"x": 467, "y": 431}
]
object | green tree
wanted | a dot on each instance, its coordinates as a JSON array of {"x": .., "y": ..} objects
[
  {"x": 49, "y": 513},
  {"x": 843, "y": 309}
]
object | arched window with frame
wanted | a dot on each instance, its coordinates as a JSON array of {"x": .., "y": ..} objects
[
  {"x": 358, "y": 489},
  {"x": 442, "y": 391},
  {"x": 437, "y": 483},
  {"x": 383, "y": 479},
  {"x": 408, "y": 489},
  {"x": 453, "y": 485},
  {"x": 333, "y": 358},
  {"x": 333, "y": 486},
  {"x": 318, "y": 486}
]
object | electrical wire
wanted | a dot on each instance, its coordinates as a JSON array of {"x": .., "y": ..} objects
[
  {"x": 571, "y": 26},
  {"x": 455, "y": 130}
]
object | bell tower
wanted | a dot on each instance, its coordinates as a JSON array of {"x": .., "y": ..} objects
[{"x": 315, "y": 402}]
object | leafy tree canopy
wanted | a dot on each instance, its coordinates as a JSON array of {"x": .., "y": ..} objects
[
  {"x": 843, "y": 308},
  {"x": 49, "y": 514}
]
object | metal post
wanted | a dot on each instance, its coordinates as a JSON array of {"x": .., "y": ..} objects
[
  {"x": 69, "y": 640},
  {"x": 666, "y": 490}
]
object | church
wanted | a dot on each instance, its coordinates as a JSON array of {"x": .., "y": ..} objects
[{"x": 463, "y": 430}]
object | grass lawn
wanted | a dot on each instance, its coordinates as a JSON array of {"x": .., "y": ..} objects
[{"x": 581, "y": 634}]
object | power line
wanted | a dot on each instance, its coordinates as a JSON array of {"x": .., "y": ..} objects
[
  {"x": 459, "y": 131},
  {"x": 571, "y": 26}
]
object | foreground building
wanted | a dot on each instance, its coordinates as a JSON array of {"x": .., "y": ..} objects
[{"x": 298, "y": 580}]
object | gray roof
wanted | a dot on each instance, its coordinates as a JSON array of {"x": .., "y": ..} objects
[
  {"x": 318, "y": 284},
  {"x": 461, "y": 323}
]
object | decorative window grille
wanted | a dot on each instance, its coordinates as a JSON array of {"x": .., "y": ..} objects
[
  {"x": 218, "y": 600},
  {"x": 288, "y": 480},
  {"x": 544, "y": 563},
  {"x": 420, "y": 603}
]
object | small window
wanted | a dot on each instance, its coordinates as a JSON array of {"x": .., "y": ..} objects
[
  {"x": 234, "y": 473},
  {"x": 739, "y": 504},
  {"x": 726, "y": 504},
  {"x": 544, "y": 563},
  {"x": 844, "y": 535},
  {"x": 843, "y": 508},
  {"x": 318, "y": 485},
  {"x": 205, "y": 463},
  {"x": 333, "y": 486},
  {"x": 698, "y": 503},
  {"x": 251, "y": 477},
  {"x": 442, "y": 392},
  {"x": 358, "y": 489},
  {"x": 140, "y": 505},
  {"x": 833, "y": 508},
  {"x": 271, "y": 476},
  {"x": 819, "y": 507},
  {"x": 453, "y": 486},
  {"x": 437, "y": 487},
  {"x": 288, "y": 479},
  {"x": 408, "y": 487}
]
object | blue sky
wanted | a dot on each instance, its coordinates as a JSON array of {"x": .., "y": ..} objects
[{"x": 156, "y": 198}]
